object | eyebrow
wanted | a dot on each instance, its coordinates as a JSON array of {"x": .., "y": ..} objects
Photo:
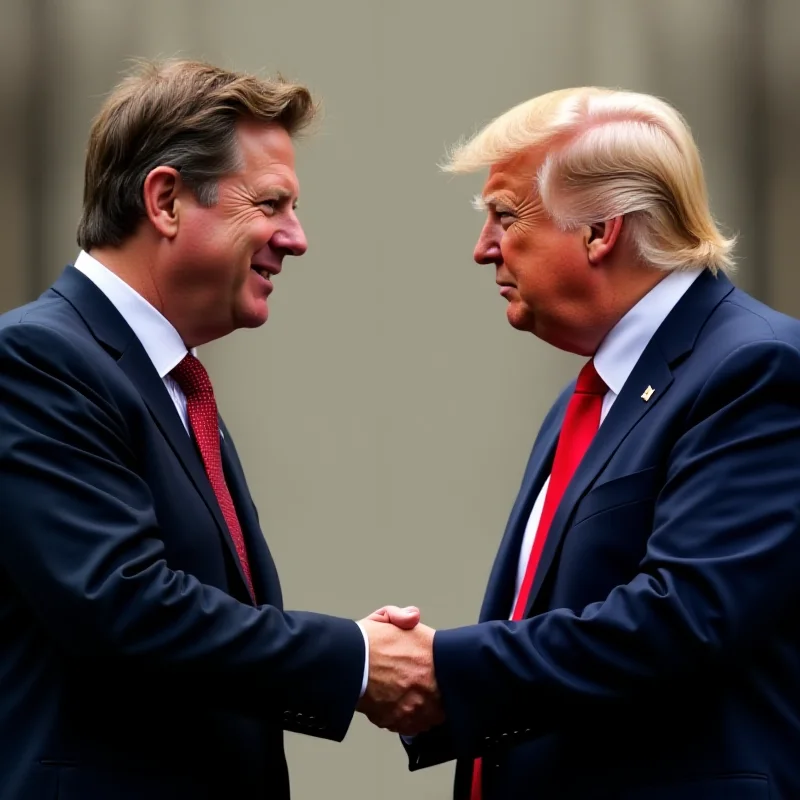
[
  {"x": 480, "y": 203},
  {"x": 278, "y": 193}
]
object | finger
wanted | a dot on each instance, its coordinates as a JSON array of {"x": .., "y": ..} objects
[
  {"x": 381, "y": 720},
  {"x": 405, "y": 618},
  {"x": 414, "y": 714}
]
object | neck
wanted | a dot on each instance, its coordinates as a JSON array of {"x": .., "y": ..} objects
[
  {"x": 134, "y": 264},
  {"x": 625, "y": 289},
  {"x": 620, "y": 287}
]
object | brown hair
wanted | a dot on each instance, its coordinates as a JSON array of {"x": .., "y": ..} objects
[{"x": 181, "y": 114}]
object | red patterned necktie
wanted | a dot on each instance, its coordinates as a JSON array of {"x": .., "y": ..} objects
[
  {"x": 201, "y": 406},
  {"x": 577, "y": 431}
]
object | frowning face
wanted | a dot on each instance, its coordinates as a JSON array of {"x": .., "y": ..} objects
[{"x": 543, "y": 271}]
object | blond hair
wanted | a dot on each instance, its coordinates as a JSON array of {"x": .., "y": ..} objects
[
  {"x": 612, "y": 153},
  {"x": 176, "y": 113}
]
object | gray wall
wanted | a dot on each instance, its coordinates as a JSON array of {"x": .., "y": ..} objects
[{"x": 385, "y": 412}]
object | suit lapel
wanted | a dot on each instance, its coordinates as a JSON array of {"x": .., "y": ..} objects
[
  {"x": 673, "y": 340},
  {"x": 262, "y": 568},
  {"x": 500, "y": 591},
  {"x": 109, "y": 327},
  {"x": 627, "y": 411}
]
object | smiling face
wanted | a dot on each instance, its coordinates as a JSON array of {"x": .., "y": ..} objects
[{"x": 222, "y": 259}]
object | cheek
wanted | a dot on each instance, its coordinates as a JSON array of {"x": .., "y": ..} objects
[
  {"x": 203, "y": 236},
  {"x": 216, "y": 229},
  {"x": 519, "y": 251},
  {"x": 256, "y": 229},
  {"x": 530, "y": 250}
]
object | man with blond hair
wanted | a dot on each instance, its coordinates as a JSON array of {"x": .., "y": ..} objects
[
  {"x": 638, "y": 639},
  {"x": 146, "y": 652}
]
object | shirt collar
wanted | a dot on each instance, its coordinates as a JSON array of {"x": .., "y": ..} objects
[
  {"x": 624, "y": 344},
  {"x": 162, "y": 343}
]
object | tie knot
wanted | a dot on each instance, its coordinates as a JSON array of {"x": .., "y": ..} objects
[
  {"x": 589, "y": 382},
  {"x": 192, "y": 377}
]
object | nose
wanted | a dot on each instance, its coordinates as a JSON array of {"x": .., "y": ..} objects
[
  {"x": 291, "y": 237},
  {"x": 487, "y": 250}
]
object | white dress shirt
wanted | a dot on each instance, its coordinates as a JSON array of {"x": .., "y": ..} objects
[
  {"x": 162, "y": 343},
  {"x": 614, "y": 361}
]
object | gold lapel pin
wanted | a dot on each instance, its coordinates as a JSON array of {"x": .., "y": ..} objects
[{"x": 647, "y": 393}]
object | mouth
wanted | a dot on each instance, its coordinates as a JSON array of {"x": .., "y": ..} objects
[
  {"x": 506, "y": 288},
  {"x": 265, "y": 272}
]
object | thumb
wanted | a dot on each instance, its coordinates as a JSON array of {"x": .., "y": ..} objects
[{"x": 405, "y": 618}]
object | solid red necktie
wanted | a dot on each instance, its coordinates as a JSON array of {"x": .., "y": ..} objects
[
  {"x": 581, "y": 422},
  {"x": 201, "y": 406}
]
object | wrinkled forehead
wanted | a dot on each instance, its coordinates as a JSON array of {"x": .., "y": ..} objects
[{"x": 513, "y": 177}]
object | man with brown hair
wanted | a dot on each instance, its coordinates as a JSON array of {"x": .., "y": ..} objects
[{"x": 146, "y": 653}]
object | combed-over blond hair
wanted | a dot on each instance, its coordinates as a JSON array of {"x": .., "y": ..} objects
[{"x": 611, "y": 153}]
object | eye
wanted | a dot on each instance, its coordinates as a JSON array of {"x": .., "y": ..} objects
[
  {"x": 505, "y": 217},
  {"x": 269, "y": 206}
]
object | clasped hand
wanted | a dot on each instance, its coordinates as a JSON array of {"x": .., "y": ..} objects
[{"x": 402, "y": 694}]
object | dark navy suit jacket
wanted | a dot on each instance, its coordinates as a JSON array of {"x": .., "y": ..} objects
[
  {"x": 133, "y": 664},
  {"x": 660, "y": 656}
]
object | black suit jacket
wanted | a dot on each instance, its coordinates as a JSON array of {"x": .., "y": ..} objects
[
  {"x": 133, "y": 664},
  {"x": 660, "y": 656}
]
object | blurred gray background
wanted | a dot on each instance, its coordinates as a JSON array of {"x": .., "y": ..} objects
[{"x": 385, "y": 412}]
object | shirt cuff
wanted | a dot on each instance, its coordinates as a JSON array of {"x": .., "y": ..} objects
[{"x": 365, "y": 679}]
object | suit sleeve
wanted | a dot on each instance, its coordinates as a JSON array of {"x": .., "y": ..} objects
[
  {"x": 720, "y": 572},
  {"x": 438, "y": 745},
  {"x": 429, "y": 749},
  {"x": 81, "y": 546}
]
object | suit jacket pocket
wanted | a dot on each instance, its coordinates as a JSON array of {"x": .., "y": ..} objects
[{"x": 633, "y": 488}]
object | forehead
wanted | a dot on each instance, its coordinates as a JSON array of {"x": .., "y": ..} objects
[
  {"x": 267, "y": 155},
  {"x": 515, "y": 175}
]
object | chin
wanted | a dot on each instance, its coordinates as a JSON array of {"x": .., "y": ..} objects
[
  {"x": 519, "y": 320},
  {"x": 252, "y": 320},
  {"x": 254, "y": 316},
  {"x": 525, "y": 322}
]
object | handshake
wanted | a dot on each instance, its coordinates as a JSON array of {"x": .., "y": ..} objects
[{"x": 401, "y": 695}]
